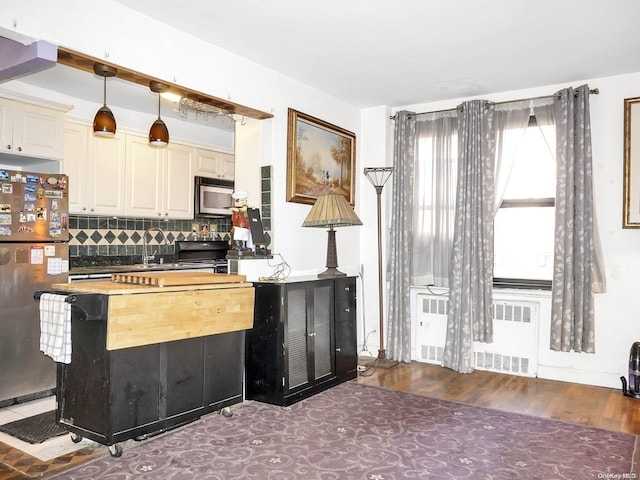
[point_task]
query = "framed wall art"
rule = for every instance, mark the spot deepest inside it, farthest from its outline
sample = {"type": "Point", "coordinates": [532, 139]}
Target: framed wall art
{"type": "Point", "coordinates": [631, 200]}
{"type": "Point", "coordinates": [320, 159]}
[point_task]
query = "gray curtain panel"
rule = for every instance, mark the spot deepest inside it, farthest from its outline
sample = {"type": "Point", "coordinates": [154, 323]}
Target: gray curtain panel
{"type": "Point", "coordinates": [471, 275]}
{"type": "Point", "coordinates": [399, 317]}
{"type": "Point", "coordinates": [572, 318]}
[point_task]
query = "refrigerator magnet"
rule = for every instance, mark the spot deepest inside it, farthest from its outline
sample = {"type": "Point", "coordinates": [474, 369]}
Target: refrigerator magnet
{"type": "Point", "coordinates": [36, 256]}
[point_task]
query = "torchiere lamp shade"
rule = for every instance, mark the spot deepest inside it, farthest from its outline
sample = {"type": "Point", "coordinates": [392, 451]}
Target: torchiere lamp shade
{"type": "Point", "coordinates": [331, 210]}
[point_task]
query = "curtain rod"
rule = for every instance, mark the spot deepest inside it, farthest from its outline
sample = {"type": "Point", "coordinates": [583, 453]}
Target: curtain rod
{"type": "Point", "coordinates": [593, 91]}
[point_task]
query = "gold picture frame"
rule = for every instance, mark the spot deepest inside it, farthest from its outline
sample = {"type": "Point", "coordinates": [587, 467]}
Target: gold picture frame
{"type": "Point", "coordinates": [631, 198]}
{"type": "Point", "coordinates": [320, 159]}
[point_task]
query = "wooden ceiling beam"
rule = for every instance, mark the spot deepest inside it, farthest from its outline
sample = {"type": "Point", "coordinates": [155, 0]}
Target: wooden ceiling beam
{"type": "Point", "coordinates": [80, 61]}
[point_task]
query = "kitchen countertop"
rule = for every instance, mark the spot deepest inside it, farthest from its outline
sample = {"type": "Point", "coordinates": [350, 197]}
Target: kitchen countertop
{"type": "Point", "coordinates": [108, 287]}
{"type": "Point", "coordinates": [139, 268]}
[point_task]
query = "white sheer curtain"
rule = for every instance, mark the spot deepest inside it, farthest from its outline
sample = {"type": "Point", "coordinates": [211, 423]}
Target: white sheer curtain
{"type": "Point", "coordinates": [436, 170]}
{"type": "Point", "coordinates": [510, 120]}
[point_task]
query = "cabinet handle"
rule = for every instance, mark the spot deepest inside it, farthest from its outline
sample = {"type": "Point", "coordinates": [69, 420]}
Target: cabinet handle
{"type": "Point", "coordinates": [338, 349]}
{"type": "Point", "coordinates": [8, 147]}
{"type": "Point", "coordinates": [19, 149]}
{"type": "Point", "coordinates": [347, 310]}
{"type": "Point", "coordinates": [84, 209]}
{"type": "Point", "coordinates": [311, 334]}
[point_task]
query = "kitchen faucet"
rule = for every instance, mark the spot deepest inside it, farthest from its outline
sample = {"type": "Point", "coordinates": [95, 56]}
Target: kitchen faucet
{"type": "Point", "coordinates": [145, 254]}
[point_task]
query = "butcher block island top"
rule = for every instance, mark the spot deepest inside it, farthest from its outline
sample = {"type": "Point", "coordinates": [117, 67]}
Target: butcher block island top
{"type": "Point", "coordinates": [158, 307]}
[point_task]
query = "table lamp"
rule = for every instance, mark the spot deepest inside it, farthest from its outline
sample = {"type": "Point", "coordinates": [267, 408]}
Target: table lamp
{"type": "Point", "coordinates": [331, 210]}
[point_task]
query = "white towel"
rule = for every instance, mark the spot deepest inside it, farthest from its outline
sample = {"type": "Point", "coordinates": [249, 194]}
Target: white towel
{"type": "Point", "coordinates": [55, 327]}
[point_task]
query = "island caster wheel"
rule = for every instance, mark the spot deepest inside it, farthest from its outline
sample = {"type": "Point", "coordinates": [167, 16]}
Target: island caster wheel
{"type": "Point", "coordinates": [115, 450]}
{"type": "Point", "coordinates": [226, 412]}
{"type": "Point", "coordinates": [75, 438]}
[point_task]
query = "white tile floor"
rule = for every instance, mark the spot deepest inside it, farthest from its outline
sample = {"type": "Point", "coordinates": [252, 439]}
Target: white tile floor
{"type": "Point", "coordinates": [52, 448]}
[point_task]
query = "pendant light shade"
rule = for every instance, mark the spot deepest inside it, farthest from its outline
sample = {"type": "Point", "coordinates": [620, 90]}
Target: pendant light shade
{"type": "Point", "coordinates": [158, 134]}
{"type": "Point", "coordinates": [104, 123]}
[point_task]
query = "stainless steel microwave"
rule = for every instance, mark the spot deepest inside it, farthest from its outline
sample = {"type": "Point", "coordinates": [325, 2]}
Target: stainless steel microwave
{"type": "Point", "coordinates": [213, 196]}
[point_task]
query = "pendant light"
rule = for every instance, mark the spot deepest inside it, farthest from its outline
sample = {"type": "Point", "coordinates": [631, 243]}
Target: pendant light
{"type": "Point", "coordinates": [158, 134]}
{"type": "Point", "coordinates": [104, 123]}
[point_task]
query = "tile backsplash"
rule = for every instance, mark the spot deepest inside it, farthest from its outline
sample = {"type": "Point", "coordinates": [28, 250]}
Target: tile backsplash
{"type": "Point", "coordinates": [108, 236]}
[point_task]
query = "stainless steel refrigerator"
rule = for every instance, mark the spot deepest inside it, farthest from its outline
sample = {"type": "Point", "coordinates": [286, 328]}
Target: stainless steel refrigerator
{"type": "Point", "coordinates": [34, 253]}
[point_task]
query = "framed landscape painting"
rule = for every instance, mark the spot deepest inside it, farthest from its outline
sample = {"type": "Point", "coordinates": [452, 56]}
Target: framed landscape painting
{"type": "Point", "coordinates": [631, 200]}
{"type": "Point", "coordinates": [320, 159]}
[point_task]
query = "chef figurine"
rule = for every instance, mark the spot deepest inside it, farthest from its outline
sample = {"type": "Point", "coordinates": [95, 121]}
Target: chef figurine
{"type": "Point", "coordinates": [240, 220]}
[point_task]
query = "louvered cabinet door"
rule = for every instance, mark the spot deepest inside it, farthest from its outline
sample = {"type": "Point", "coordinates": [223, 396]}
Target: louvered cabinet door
{"type": "Point", "coordinates": [296, 350]}
{"type": "Point", "coordinates": [321, 330]}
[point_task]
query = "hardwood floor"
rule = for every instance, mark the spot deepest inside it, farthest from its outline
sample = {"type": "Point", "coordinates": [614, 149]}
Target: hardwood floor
{"type": "Point", "coordinates": [582, 404]}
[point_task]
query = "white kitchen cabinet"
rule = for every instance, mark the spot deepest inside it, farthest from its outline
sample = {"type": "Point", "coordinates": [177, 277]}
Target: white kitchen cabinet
{"type": "Point", "coordinates": [178, 180]}
{"type": "Point", "coordinates": [96, 170]}
{"type": "Point", "coordinates": [30, 130]}
{"type": "Point", "coordinates": [215, 164]}
{"type": "Point", "coordinates": [159, 180]}
{"type": "Point", "coordinates": [143, 177]}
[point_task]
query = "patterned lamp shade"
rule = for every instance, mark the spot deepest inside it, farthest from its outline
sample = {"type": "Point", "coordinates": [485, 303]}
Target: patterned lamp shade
{"type": "Point", "coordinates": [331, 210]}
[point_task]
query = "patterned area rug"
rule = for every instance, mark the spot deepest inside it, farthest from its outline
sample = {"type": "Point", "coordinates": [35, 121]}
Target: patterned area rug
{"type": "Point", "coordinates": [355, 431]}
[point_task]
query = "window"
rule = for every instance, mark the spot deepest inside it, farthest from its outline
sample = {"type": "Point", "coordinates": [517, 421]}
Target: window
{"type": "Point", "coordinates": [525, 222]}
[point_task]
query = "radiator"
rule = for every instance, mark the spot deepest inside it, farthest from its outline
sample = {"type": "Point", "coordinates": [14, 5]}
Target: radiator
{"type": "Point", "coordinates": [515, 334]}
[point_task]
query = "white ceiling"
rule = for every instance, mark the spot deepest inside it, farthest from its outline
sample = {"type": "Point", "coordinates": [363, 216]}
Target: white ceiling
{"type": "Point", "coordinates": [402, 52]}
{"type": "Point", "coordinates": [394, 52]}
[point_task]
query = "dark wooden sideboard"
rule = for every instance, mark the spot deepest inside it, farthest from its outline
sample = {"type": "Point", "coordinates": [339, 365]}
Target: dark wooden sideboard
{"type": "Point", "coordinates": [303, 339]}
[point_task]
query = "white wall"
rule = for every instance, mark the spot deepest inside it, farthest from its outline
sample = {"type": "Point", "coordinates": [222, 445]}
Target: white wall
{"type": "Point", "coordinates": [617, 311]}
{"type": "Point", "coordinates": [125, 37]}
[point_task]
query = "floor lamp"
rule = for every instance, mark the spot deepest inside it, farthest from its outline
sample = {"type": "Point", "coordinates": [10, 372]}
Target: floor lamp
{"type": "Point", "coordinates": [378, 176]}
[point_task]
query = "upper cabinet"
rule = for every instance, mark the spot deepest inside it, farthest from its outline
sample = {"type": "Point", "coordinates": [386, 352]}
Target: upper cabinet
{"type": "Point", "coordinates": [178, 170]}
{"type": "Point", "coordinates": [30, 130]}
{"type": "Point", "coordinates": [214, 164]}
{"type": "Point", "coordinates": [96, 170]}
{"type": "Point", "coordinates": [159, 180]}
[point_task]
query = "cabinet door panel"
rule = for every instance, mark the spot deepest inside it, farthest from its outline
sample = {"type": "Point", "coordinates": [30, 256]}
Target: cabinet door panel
{"type": "Point", "coordinates": [185, 375]}
{"type": "Point", "coordinates": [296, 337]}
{"type": "Point", "coordinates": [346, 347]}
{"type": "Point", "coordinates": [76, 152]}
{"type": "Point", "coordinates": [322, 316]}
{"type": "Point", "coordinates": [37, 132]}
{"type": "Point", "coordinates": [346, 332]}
{"type": "Point", "coordinates": [136, 387]}
{"type": "Point", "coordinates": [144, 178]}
{"type": "Point", "coordinates": [106, 175]}
{"type": "Point", "coordinates": [6, 125]}
{"type": "Point", "coordinates": [223, 377]}
{"type": "Point", "coordinates": [178, 182]}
